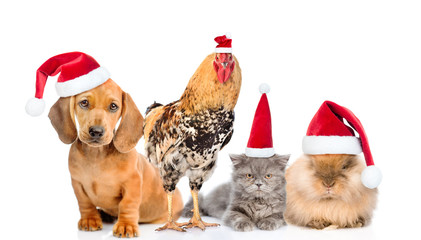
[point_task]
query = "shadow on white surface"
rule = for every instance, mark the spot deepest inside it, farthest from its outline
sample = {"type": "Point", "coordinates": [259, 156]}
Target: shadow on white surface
{"type": "Point", "coordinates": [147, 231]}
{"type": "Point", "coordinates": [293, 232]}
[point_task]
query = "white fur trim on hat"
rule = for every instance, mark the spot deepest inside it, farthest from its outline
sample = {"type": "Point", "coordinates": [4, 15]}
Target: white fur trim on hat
{"type": "Point", "coordinates": [260, 152]}
{"type": "Point", "coordinates": [371, 177]}
{"type": "Point", "coordinates": [83, 83]}
{"type": "Point", "coordinates": [264, 88]}
{"type": "Point", "coordinates": [331, 145]}
{"type": "Point", "coordinates": [223, 50]}
{"type": "Point", "coordinates": [35, 107]}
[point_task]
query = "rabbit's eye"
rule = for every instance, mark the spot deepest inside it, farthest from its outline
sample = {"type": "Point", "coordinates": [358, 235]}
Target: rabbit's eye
{"type": "Point", "coordinates": [348, 164]}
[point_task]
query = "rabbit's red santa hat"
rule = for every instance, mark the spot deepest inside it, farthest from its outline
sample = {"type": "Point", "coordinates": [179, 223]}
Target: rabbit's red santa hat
{"type": "Point", "coordinates": [328, 134]}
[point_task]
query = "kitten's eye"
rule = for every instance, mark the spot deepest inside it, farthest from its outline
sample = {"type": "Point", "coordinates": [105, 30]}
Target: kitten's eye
{"type": "Point", "coordinates": [113, 107]}
{"type": "Point", "coordinates": [84, 104]}
{"type": "Point", "coordinates": [268, 176]}
{"type": "Point", "coordinates": [248, 175]}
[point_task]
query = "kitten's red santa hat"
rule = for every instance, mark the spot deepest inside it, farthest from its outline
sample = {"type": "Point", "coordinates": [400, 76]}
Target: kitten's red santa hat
{"type": "Point", "coordinates": [328, 134]}
{"type": "Point", "coordinates": [260, 143]}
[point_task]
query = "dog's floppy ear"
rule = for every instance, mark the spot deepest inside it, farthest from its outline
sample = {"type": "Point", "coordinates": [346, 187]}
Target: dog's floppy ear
{"type": "Point", "coordinates": [61, 116]}
{"type": "Point", "coordinates": [131, 126]}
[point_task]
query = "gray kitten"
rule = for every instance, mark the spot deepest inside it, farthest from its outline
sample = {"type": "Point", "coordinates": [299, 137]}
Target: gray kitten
{"type": "Point", "coordinates": [255, 197]}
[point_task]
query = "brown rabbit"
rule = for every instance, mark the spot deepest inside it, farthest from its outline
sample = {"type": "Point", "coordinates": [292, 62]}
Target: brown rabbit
{"type": "Point", "coordinates": [326, 191]}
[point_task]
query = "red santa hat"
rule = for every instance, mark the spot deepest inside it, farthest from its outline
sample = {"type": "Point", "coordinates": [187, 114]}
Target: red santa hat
{"type": "Point", "coordinates": [79, 73]}
{"type": "Point", "coordinates": [328, 134]}
{"type": "Point", "coordinates": [260, 142]}
{"type": "Point", "coordinates": [224, 44]}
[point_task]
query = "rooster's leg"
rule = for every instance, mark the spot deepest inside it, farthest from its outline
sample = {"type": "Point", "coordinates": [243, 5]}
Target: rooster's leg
{"type": "Point", "coordinates": [170, 223]}
{"type": "Point", "coordinates": [196, 220]}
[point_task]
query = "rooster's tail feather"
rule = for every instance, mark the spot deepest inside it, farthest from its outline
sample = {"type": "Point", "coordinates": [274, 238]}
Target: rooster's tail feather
{"type": "Point", "coordinates": [152, 106]}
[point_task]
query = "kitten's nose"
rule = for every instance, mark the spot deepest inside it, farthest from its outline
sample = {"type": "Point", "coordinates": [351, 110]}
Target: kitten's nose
{"type": "Point", "coordinates": [258, 184]}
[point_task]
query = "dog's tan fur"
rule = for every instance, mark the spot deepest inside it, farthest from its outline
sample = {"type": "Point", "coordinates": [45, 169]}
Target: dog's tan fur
{"type": "Point", "coordinates": [109, 173]}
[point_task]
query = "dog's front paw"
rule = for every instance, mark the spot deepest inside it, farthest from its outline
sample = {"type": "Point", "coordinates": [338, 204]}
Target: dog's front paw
{"type": "Point", "coordinates": [125, 229]}
{"type": "Point", "coordinates": [90, 224]}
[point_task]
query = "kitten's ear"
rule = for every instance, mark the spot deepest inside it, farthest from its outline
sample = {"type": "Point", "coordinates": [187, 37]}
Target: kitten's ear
{"type": "Point", "coordinates": [237, 158]}
{"type": "Point", "coordinates": [282, 159]}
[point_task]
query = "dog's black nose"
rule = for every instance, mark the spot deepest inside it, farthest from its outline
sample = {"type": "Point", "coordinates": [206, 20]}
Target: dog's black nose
{"type": "Point", "coordinates": [96, 131]}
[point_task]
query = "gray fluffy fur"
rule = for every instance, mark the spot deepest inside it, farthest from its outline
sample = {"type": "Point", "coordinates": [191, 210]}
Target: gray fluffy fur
{"type": "Point", "coordinates": [241, 203]}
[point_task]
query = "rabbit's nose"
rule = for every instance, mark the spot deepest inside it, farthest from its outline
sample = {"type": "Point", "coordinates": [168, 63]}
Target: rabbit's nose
{"type": "Point", "coordinates": [329, 184]}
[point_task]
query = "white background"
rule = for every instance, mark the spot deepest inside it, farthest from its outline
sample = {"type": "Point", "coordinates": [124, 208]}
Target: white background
{"type": "Point", "coordinates": [365, 55]}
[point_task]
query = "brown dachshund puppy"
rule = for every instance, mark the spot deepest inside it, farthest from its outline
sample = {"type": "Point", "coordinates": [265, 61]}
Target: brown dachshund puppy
{"type": "Point", "coordinates": [106, 170]}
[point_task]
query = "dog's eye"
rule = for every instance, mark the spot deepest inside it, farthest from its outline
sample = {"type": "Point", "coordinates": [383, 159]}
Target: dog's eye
{"type": "Point", "coordinates": [268, 176]}
{"type": "Point", "coordinates": [113, 107]}
{"type": "Point", "coordinates": [84, 103]}
{"type": "Point", "coordinates": [248, 175]}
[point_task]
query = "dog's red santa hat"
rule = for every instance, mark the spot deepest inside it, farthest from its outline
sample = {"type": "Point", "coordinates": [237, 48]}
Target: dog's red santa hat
{"type": "Point", "coordinates": [260, 142]}
{"type": "Point", "coordinates": [79, 73]}
{"type": "Point", "coordinates": [328, 134]}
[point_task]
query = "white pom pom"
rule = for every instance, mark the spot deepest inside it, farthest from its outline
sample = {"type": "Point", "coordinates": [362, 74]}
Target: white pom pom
{"type": "Point", "coordinates": [35, 107]}
{"type": "Point", "coordinates": [371, 177]}
{"type": "Point", "coordinates": [264, 88]}
{"type": "Point", "coordinates": [228, 35]}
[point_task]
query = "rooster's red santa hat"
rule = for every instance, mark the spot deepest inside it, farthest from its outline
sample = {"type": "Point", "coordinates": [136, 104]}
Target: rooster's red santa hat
{"type": "Point", "coordinates": [224, 44]}
{"type": "Point", "coordinates": [79, 73]}
{"type": "Point", "coordinates": [328, 134]}
{"type": "Point", "coordinates": [260, 142]}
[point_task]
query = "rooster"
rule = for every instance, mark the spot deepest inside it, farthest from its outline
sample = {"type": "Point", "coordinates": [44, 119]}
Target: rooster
{"type": "Point", "coordinates": [185, 136]}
